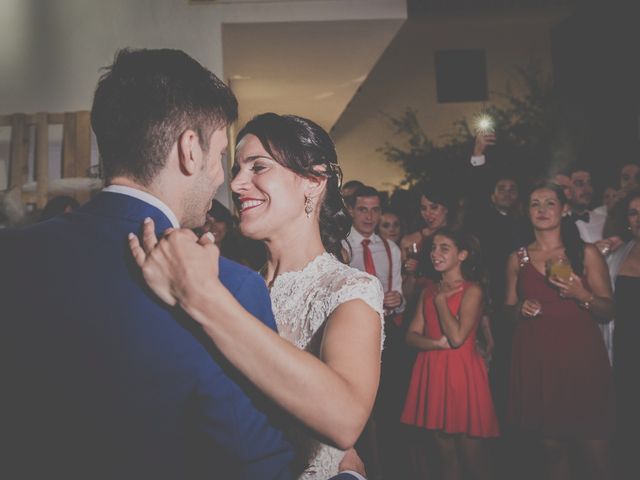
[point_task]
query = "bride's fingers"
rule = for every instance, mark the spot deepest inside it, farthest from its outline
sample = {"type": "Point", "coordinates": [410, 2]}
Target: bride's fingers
{"type": "Point", "coordinates": [136, 250]}
{"type": "Point", "coordinates": [207, 238]}
{"type": "Point", "coordinates": [149, 239]}
{"type": "Point", "coordinates": [209, 245]}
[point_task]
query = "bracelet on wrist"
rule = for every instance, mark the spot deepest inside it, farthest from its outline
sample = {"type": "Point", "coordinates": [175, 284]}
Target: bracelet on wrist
{"type": "Point", "coordinates": [587, 303]}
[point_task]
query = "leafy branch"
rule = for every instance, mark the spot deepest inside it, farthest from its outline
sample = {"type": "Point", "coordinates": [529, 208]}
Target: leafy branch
{"type": "Point", "coordinates": [536, 132]}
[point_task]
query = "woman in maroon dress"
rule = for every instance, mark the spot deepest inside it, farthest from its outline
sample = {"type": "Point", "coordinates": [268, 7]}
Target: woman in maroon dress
{"type": "Point", "coordinates": [561, 381]}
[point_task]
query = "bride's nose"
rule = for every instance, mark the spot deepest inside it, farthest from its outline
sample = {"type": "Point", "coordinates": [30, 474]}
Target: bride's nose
{"type": "Point", "coordinates": [239, 183]}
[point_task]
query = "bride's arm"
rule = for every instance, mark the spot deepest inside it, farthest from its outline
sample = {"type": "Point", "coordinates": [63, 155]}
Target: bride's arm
{"type": "Point", "coordinates": [333, 396]}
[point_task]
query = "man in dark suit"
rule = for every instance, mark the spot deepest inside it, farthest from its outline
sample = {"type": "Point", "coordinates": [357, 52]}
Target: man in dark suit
{"type": "Point", "coordinates": [501, 229]}
{"type": "Point", "coordinates": [102, 379]}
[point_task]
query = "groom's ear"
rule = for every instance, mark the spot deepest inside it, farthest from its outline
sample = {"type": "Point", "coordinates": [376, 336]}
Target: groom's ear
{"type": "Point", "coordinates": [189, 152]}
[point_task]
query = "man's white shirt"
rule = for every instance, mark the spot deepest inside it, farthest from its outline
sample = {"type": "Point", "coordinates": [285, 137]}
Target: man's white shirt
{"type": "Point", "coordinates": [380, 260]}
{"type": "Point", "coordinates": [592, 232]}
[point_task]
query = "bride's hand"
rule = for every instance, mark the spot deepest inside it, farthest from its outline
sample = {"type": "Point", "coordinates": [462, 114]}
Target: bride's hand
{"type": "Point", "coordinates": [177, 264]}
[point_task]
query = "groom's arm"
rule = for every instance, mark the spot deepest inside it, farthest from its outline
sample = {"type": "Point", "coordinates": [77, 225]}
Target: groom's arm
{"type": "Point", "coordinates": [249, 289]}
{"type": "Point", "coordinates": [252, 431]}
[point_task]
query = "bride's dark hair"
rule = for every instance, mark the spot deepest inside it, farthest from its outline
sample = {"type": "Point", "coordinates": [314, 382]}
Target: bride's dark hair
{"type": "Point", "coordinates": [302, 146]}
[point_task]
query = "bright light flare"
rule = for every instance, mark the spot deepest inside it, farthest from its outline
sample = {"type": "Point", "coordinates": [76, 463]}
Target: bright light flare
{"type": "Point", "coordinates": [483, 124]}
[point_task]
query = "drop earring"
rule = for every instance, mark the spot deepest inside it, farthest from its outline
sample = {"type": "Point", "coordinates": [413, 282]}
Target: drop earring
{"type": "Point", "coordinates": [308, 206]}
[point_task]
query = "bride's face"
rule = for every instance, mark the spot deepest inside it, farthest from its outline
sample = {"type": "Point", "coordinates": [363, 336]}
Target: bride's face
{"type": "Point", "coordinates": [271, 196]}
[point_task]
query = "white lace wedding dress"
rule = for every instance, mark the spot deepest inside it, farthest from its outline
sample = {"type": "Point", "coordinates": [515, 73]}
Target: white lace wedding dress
{"type": "Point", "coordinates": [302, 302]}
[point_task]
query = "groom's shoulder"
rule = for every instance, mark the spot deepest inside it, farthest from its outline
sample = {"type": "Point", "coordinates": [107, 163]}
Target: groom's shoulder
{"type": "Point", "coordinates": [249, 289]}
{"type": "Point", "coordinates": [237, 277]}
{"type": "Point", "coordinates": [12, 239]}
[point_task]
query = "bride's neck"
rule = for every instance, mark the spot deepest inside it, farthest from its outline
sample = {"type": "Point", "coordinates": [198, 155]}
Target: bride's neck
{"type": "Point", "coordinates": [292, 252]}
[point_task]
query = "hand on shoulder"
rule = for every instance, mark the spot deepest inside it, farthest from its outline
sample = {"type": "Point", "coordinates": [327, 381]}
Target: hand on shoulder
{"type": "Point", "coordinates": [177, 265]}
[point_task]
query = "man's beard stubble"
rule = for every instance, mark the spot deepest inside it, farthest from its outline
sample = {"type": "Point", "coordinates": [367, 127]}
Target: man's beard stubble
{"type": "Point", "coordinates": [197, 202]}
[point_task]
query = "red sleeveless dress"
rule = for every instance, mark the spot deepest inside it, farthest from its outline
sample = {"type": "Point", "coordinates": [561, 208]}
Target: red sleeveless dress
{"type": "Point", "coordinates": [449, 389]}
{"type": "Point", "coordinates": [561, 380]}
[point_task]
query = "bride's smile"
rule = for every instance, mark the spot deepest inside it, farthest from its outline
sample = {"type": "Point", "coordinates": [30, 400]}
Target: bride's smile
{"type": "Point", "coordinates": [270, 196]}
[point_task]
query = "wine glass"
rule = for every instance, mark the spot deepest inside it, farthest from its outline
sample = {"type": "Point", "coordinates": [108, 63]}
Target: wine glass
{"type": "Point", "coordinates": [412, 251]}
{"type": "Point", "coordinates": [412, 256]}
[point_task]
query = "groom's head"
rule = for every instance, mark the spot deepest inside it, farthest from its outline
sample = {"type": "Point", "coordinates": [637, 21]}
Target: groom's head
{"type": "Point", "coordinates": [160, 120]}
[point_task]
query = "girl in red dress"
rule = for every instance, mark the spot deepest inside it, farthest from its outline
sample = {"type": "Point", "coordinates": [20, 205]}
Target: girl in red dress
{"type": "Point", "coordinates": [561, 381]}
{"type": "Point", "coordinates": [449, 390]}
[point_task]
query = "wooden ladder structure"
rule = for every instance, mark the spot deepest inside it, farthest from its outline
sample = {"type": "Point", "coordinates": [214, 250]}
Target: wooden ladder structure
{"type": "Point", "coordinates": [76, 150]}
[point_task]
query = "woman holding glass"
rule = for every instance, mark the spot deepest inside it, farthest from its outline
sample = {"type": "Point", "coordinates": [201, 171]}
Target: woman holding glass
{"type": "Point", "coordinates": [437, 209]}
{"type": "Point", "coordinates": [561, 382]}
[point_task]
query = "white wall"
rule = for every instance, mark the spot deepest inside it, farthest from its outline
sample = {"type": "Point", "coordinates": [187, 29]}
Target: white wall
{"type": "Point", "coordinates": [405, 77]}
{"type": "Point", "coordinates": [55, 66]}
{"type": "Point", "coordinates": [51, 50]}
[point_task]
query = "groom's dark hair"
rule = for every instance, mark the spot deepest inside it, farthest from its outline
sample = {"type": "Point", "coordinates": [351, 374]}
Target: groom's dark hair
{"type": "Point", "coordinates": [145, 100]}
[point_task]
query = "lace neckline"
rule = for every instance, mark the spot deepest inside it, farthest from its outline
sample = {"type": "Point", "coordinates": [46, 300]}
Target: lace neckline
{"type": "Point", "coordinates": [308, 267]}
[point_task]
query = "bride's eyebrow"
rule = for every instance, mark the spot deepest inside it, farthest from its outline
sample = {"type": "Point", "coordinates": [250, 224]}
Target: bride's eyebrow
{"type": "Point", "coordinates": [252, 158]}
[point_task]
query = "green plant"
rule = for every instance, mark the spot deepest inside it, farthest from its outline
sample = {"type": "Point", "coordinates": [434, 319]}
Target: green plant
{"type": "Point", "coordinates": [537, 133]}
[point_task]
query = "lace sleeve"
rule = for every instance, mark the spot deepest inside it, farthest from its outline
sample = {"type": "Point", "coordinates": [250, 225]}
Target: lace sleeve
{"type": "Point", "coordinates": [359, 285]}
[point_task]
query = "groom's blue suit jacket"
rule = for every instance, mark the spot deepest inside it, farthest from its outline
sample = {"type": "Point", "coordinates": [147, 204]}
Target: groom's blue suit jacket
{"type": "Point", "coordinates": [102, 380]}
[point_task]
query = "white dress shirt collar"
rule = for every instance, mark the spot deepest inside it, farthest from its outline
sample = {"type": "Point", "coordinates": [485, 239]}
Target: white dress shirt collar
{"type": "Point", "coordinates": [147, 198]}
{"type": "Point", "coordinates": [357, 237]}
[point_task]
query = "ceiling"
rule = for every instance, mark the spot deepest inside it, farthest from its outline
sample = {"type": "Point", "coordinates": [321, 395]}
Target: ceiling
{"type": "Point", "coordinates": [311, 69]}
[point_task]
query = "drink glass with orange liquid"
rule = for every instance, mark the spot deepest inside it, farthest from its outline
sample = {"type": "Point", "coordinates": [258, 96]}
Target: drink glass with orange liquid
{"type": "Point", "coordinates": [559, 267]}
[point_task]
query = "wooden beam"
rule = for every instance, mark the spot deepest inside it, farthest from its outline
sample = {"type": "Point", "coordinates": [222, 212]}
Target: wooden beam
{"type": "Point", "coordinates": [76, 144]}
{"type": "Point", "coordinates": [18, 165]}
{"type": "Point", "coordinates": [69, 146]}
{"type": "Point", "coordinates": [53, 118]}
{"type": "Point", "coordinates": [83, 144]}
{"type": "Point", "coordinates": [56, 118]}
{"type": "Point", "coordinates": [42, 159]}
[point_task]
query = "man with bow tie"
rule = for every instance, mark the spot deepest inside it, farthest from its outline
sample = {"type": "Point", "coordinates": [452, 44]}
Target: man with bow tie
{"type": "Point", "coordinates": [590, 223]}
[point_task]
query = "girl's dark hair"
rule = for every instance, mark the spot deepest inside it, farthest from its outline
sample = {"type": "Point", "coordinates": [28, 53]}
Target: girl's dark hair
{"type": "Point", "coordinates": [391, 211]}
{"type": "Point", "coordinates": [472, 267]}
{"type": "Point", "coordinates": [620, 214]}
{"type": "Point", "coordinates": [573, 244]}
{"type": "Point", "coordinates": [301, 146]}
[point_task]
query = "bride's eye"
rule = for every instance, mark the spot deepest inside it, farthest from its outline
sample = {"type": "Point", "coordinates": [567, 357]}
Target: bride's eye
{"type": "Point", "coordinates": [257, 168]}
